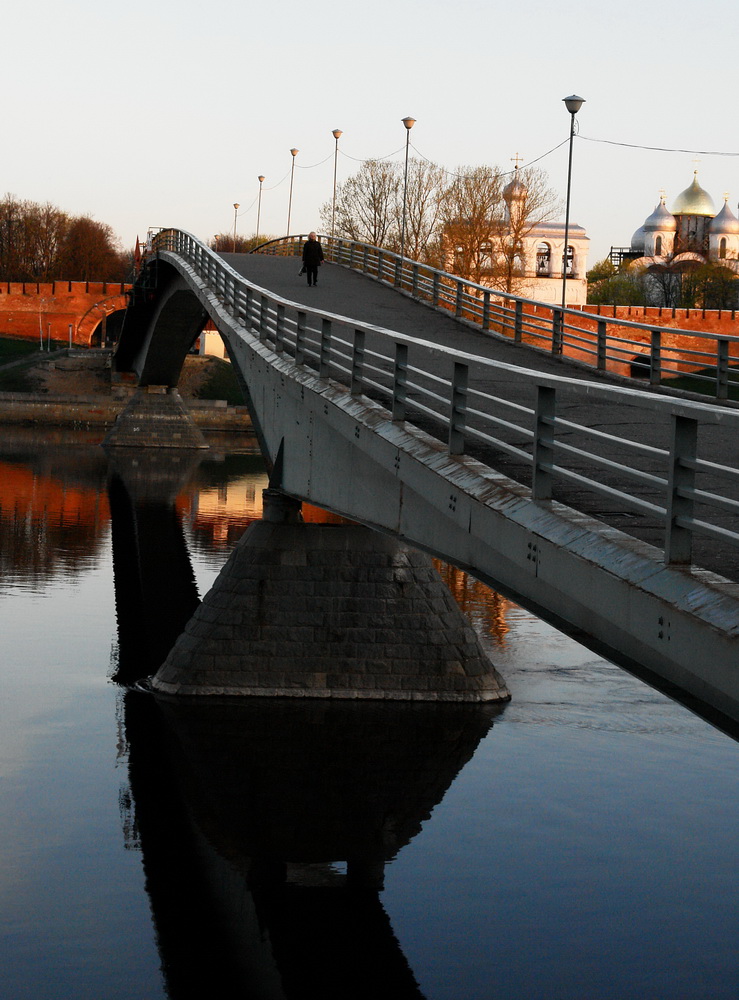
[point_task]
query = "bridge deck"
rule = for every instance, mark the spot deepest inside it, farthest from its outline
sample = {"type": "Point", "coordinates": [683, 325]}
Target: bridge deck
{"type": "Point", "coordinates": [350, 294]}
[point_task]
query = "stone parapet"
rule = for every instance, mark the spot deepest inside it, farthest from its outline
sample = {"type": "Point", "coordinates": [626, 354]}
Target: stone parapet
{"type": "Point", "coordinates": [329, 611]}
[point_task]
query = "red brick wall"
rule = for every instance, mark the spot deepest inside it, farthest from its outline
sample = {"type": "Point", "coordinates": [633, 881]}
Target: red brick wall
{"type": "Point", "coordinates": [677, 348]}
{"type": "Point", "coordinates": [28, 308]}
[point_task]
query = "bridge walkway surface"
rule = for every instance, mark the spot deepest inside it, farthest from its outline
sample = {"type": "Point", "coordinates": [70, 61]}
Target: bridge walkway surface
{"type": "Point", "coordinates": [347, 293]}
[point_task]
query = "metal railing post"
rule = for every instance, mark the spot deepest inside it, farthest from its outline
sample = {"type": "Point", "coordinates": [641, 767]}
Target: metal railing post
{"type": "Point", "coordinates": [683, 451]}
{"type": "Point", "coordinates": [458, 415]}
{"type": "Point", "coordinates": [458, 299]}
{"type": "Point", "coordinates": [435, 290]}
{"type": "Point", "coordinates": [414, 286]}
{"type": "Point", "coordinates": [263, 317]}
{"type": "Point", "coordinates": [543, 457]}
{"type": "Point", "coordinates": [655, 358]}
{"type": "Point", "coordinates": [300, 338]}
{"type": "Point", "coordinates": [280, 330]}
{"type": "Point", "coordinates": [486, 310]}
{"type": "Point", "coordinates": [357, 386]}
{"type": "Point", "coordinates": [380, 264]}
{"type": "Point", "coordinates": [557, 330]}
{"type": "Point", "coordinates": [518, 322]}
{"type": "Point", "coordinates": [722, 369]}
{"type": "Point", "coordinates": [324, 364]}
{"type": "Point", "coordinates": [601, 359]}
{"type": "Point", "coordinates": [249, 300]}
{"type": "Point", "coordinates": [398, 277]}
{"type": "Point", "coordinates": [400, 381]}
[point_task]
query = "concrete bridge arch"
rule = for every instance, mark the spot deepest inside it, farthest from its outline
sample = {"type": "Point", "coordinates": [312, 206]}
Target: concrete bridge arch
{"type": "Point", "coordinates": [163, 322]}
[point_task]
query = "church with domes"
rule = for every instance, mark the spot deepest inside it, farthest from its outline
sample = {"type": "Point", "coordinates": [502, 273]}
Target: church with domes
{"type": "Point", "coordinates": [689, 234]}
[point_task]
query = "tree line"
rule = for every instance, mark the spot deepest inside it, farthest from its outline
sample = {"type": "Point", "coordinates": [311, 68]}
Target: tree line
{"type": "Point", "coordinates": [701, 286]}
{"type": "Point", "coordinates": [43, 243]}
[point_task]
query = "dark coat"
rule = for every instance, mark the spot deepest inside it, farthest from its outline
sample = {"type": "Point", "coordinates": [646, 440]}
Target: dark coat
{"type": "Point", "coordinates": [312, 253]}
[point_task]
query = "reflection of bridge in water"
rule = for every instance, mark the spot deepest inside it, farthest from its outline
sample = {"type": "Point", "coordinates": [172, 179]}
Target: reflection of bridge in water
{"type": "Point", "coordinates": [264, 824]}
{"type": "Point", "coordinates": [606, 510]}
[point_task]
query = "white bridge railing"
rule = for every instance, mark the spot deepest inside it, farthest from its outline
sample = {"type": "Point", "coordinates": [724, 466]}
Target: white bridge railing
{"type": "Point", "coordinates": [708, 362]}
{"type": "Point", "coordinates": [444, 390]}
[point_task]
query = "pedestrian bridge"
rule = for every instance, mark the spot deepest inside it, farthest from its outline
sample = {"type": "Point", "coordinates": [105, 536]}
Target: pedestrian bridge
{"type": "Point", "coordinates": [407, 400]}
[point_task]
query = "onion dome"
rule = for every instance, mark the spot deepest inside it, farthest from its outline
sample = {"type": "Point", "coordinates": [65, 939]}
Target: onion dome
{"type": "Point", "coordinates": [725, 223]}
{"type": "Point", "coordinates": [694, 200]}
{"type": "Point", "coordinates": [661, 220]}
{"type": "Point", "coordinates": [516, 190]}
{"type": "Point", "coordinates": [637, 240]}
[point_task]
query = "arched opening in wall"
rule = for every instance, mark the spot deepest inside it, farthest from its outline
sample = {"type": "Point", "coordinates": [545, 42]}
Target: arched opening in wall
{"type": "Point", "coordinates": [658, 247]}
{"type": "Point", "coordinates": [639, 366]}
{"type": "Point", "coordinates": [722, 248]}
{"type": "Point", "coordinates": [486, 255]}
{"type": "Point", "coordinates": [543, 260]}
{"type": "Point", "coordinates": [108, 330]}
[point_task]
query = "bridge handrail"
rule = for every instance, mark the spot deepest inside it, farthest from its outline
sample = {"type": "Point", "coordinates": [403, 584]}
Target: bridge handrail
{"type": "Point", "coordinates": [312, 338]}
{"type": "Point", "coordinates": [591, 338]}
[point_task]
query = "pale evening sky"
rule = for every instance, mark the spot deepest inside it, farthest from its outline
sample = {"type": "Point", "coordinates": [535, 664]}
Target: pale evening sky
{"type": "Point", "coordinates": [164, 114]}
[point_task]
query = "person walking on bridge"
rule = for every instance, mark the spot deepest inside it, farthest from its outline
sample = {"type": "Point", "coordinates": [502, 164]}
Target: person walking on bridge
{"type": "Point", "coordinates": [312, 258]}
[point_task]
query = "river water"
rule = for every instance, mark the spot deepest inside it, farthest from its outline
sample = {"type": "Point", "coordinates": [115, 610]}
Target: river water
{"type": "Point", "coordinates": [580, 842]}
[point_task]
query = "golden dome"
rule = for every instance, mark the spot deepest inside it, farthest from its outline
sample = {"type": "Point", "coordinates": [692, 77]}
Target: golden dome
{"type": "Point", "coordinates": [694, 201]}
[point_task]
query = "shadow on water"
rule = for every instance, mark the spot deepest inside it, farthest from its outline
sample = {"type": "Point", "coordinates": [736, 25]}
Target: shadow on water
{"type": "Point", "coordinates": [264, 824]}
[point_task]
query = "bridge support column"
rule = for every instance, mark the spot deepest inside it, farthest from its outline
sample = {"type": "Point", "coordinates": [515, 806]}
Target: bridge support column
{"type": "Point", "coordinates": [155, 417]}
{"type": "Point", "coordinates": [328, 611]}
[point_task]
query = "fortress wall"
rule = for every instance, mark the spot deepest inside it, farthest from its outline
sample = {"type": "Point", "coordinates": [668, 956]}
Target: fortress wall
{"type": "Point", "coordinates": [31, 309]}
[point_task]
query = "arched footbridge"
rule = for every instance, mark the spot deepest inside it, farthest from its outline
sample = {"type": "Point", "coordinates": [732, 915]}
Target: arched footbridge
{"type": "Point", "coordinates": [408, 400]}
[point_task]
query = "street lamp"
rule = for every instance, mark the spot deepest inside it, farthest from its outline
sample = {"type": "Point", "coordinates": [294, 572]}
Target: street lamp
{"type": "Point", "coordinates": [236, 212]}
{"type": "Point", "coordinates": [259, 204]}
{"type": "Point", "coordinates": [573, 105]}
{"type": "Point", "coordinates": [409, 123]}
{"type": "Point", "coordinates": [294, 153]}
{"type": "Point", "coordinates": [337, 134]}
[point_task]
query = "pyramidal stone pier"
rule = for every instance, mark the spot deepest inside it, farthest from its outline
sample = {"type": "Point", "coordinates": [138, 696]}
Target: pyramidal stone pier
{"type": "Point", "coordinates": [328, 611]}
{"type": "Point", "coordinates": [155, 416]}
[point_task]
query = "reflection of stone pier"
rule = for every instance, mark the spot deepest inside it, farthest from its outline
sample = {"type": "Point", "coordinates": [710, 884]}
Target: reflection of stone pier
{"type": "Point", "coordinates": [246, 810]}
{"type": "Point", "coordinates": [311, 610]}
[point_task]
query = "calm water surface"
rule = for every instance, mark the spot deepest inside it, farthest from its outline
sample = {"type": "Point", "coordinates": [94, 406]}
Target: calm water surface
{"type": "Point", "coordinates": [580, 842]}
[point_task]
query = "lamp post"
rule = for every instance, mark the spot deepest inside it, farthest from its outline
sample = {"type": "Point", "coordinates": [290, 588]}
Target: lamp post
{"type": "Point", "coordinates": [409, 123]}
{"type": "Point", "coordinates": [294, 153]}
{"type": "Point", "coordinates": [337, 134]}
{"type": "Point", "coordinates": [236, 212]}
{"type": "Point", "coordinates": [573, 105]}
{"type": "Point", "coordinates": [259, 204]}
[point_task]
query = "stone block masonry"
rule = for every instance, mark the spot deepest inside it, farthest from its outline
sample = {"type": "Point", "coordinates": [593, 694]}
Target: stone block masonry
{"type": "Point", "coordinates": [329, 611]}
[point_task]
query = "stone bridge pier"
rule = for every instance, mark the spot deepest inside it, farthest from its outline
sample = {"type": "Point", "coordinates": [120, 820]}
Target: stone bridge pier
{"type": "Point", "coordinates": [328, 611]}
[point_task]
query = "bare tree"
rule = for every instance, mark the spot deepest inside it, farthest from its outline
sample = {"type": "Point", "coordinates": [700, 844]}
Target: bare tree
{"type": "Point", "coordinates": [366, 205]}
{"type": "Point", "coordinates": [472, 214]}
{"type": "Point", "coordinates": [424, 197]}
